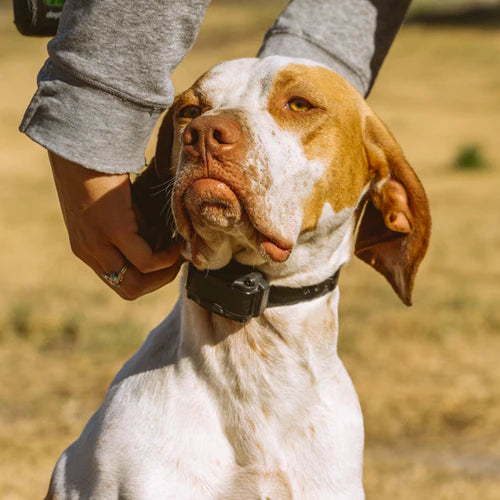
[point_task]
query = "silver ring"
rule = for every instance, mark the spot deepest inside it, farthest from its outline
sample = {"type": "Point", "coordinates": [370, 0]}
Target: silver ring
{"type": "Point", "coordinates": [115, 278]}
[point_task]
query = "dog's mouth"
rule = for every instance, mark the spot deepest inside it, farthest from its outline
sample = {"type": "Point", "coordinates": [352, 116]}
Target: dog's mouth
{"type": "Point", "coordinates": [278, 252]}
{"type": "Point", "coordinates": [212, 202]}
{"type": "Point", "coordinates": [211, 205]}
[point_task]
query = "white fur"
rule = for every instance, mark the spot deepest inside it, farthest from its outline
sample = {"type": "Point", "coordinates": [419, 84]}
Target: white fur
{"type": "Point", "coordinates": [211, 409]}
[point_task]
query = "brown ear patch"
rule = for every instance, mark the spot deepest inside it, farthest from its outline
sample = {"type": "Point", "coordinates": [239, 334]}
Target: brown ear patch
{"type": "Point", "coordinates": [394, 231]}
{"type": "Point", "coordinates": [152, 190]}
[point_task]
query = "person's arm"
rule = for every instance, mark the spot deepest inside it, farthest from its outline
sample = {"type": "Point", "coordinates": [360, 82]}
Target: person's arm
{"type": "Point", "coordinates": [350, 36]}
{"type": "Point", "coordinates": [99, 95]}
{"type": "Point", "coordinates": [107, 79]}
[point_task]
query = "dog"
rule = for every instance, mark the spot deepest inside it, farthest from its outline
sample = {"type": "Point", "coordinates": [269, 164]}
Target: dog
{"type": "Point", "coordinates": [280, 166]}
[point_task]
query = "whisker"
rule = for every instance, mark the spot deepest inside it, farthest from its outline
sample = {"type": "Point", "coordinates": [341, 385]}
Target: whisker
{"type": "Point", "coordinates": [166, 210]}
{"type": "Point", "coordinates": [163, 184]}
{"type": "Point", "coordinates": [160, 191]}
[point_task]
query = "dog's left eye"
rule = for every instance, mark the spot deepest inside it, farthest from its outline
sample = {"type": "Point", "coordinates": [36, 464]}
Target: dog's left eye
{"type": "Point", "coordinates": [299, 105]}
{"type": "Point", "coordinates": [190, 111]}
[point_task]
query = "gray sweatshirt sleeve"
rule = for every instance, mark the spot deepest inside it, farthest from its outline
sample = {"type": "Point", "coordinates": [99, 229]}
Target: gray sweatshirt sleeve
{"type": "Point", "coordinates": [107, 78]}
{"type": "Point", "coordinates": [350, 36]}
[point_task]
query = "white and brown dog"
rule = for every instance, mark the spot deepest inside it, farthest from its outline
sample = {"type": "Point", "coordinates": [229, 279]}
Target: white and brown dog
{"type": "Point", "coordinates": [278, 164]}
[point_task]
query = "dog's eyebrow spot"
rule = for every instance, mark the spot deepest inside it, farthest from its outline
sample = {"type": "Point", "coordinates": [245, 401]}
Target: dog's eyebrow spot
{"type": "Point", "coordinates": [193, 96]}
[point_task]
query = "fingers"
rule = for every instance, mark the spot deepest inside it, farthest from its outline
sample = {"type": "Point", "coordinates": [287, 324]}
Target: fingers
{"type": "Point", "coordinates": [135, 284]}
{"type": "Point", "coordinates": [109, 260]}
{"type": "Point", "coordinates": [137, 251]}
{"type": "Point", "coordinates": [106, 258]}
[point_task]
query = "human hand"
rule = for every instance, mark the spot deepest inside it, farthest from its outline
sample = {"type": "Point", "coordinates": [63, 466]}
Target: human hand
{"type": "Point", "coordinates": [103, 229]}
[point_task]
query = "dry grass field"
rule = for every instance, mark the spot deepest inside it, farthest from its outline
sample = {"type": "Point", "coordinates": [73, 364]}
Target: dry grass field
{"type": "Point", "coordinates": [428, 376]}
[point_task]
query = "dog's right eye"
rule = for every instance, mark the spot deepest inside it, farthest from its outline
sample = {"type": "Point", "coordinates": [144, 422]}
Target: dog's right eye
{"type": "Point", "coordinates": [191, 111]}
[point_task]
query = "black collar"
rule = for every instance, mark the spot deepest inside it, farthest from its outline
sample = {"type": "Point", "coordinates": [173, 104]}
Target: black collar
{"type": "Point", "coordinates": [240, 292]}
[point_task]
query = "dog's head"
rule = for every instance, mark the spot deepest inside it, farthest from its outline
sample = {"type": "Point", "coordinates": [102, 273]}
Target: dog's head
{"type": "Point", "coordinates": [280, 163]}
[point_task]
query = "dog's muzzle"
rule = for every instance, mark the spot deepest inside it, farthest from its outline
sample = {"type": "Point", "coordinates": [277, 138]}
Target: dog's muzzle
{"type": "Point", "coordinates": [213, 202]}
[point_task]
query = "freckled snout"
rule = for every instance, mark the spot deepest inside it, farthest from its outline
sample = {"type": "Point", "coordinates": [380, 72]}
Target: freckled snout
{"type": "Point", "coordinates": [213, 136]}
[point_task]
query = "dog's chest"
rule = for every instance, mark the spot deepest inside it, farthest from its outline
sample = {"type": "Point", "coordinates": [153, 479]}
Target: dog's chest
{"type": "Point", "coordinates": [246, 416]}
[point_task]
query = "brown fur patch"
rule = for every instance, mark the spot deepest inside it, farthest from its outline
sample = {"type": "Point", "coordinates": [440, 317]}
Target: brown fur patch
{"type": "Point", "coordinates": [330, 132]}
{"type": "Point", "coordinates": [341, 131]}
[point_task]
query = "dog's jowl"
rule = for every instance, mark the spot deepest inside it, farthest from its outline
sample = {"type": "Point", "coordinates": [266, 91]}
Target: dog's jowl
{"type": "Point", "coordinates": [275, 172]}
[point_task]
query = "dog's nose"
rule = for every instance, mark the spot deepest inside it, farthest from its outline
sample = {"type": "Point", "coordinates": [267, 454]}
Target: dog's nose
{"type": "Point", "coordinates": [214, 135]}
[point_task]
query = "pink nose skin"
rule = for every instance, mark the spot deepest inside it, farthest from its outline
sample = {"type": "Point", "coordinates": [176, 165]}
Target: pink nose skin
{"type": "Point", "coordinates": [213, 135]}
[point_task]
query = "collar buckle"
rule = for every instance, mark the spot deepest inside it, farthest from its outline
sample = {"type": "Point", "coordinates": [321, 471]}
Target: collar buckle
{"type": "Point", "coordinates": [235, 292]}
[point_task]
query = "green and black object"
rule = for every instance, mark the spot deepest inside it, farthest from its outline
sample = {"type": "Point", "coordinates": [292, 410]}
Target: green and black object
{"type": "Point", "coordinates": [37, 17]}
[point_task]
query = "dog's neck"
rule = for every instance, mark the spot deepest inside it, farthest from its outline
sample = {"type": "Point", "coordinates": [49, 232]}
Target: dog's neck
{"type": "Point", "coordinates": [268, 373]}
{"type": "Point", "coordinates": [307, 325]}
{"type": "Point", "coordinates": [288, 324]}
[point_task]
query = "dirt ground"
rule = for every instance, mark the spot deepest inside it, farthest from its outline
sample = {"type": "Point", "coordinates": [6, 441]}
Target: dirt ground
{"type": "Point", "coordinates": [428, 377]}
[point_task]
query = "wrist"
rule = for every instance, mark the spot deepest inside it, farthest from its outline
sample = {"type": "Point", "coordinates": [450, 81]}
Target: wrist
{"type": "Point", "coordinates": [81, 185]}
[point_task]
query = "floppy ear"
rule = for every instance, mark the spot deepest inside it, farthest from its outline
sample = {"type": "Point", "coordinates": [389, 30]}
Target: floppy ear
{"type": "Point", "coordinates": [394, 230]}
{"type": "Point", "coordinates": [152, 191]}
